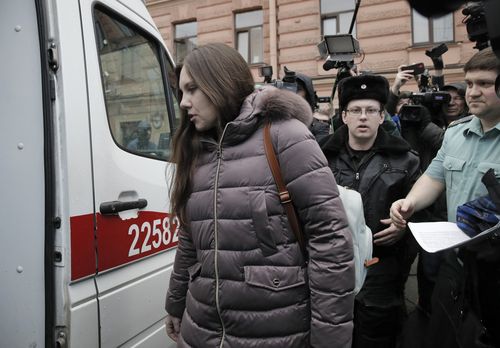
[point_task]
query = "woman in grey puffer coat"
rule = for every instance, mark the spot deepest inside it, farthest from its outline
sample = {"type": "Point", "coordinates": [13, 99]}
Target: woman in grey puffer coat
{"type": "Point", "coordinates": [239, 277]}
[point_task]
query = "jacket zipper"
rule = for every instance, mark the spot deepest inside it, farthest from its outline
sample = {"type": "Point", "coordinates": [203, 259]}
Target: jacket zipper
{"type": "Point", "coordinates": [356, 169]}
{"type": "Point", "coordinates": [216, 231]}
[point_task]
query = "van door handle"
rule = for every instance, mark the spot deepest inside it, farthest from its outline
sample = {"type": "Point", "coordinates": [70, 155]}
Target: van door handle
{"type": "Point", "coordinates": [113, 207]}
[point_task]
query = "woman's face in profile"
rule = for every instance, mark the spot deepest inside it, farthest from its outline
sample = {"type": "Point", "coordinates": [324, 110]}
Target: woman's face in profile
{"type": "Point", "coordinates": [201, 111]}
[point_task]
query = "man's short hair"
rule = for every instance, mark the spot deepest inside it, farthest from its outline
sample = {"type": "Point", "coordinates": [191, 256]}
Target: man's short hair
{"type": "Point", "coordinates": [483, 60]}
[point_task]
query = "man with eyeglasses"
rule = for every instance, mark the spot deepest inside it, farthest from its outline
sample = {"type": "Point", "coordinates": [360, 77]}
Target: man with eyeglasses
{"type": "Point", "coordinates": [381, 167]}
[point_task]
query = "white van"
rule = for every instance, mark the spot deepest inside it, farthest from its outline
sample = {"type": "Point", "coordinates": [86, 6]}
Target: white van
{"type": "Point", "coordinates": [88, 110]}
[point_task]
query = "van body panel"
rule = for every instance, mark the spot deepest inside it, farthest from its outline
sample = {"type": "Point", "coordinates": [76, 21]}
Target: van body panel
{"type": "Point", "coordinates": [134, 247]}
{"type": "Point", "coordinates": [142, 297]}
{"type": "Point", "coordinates": [83, 312]}
{"type": "Point", "coordinates": [110, 270]}
{"type": "Point", "coordinates": [22, 290]}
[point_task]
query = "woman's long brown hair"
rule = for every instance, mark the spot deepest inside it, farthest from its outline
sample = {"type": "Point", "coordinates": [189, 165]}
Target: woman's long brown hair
{"type": "Point", "coordinates": [223, 76]}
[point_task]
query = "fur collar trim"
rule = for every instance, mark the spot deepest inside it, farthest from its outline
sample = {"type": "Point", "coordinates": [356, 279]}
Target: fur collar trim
{"type": "Point", "coordinates": [265, 102]}
{"type": "Point", "coordinates": [384, 143]}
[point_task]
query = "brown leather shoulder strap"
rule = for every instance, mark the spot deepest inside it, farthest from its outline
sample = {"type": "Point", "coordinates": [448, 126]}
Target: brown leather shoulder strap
{"type": "Point", "coordinates": [285, 198]}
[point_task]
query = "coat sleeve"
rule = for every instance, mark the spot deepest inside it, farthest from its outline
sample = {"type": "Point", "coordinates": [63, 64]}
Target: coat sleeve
{"type": "Point", "coordinates": [432, 135]}
{"type": "Point", "coordinates": [184, 258]}
{"type": "Point", "coordinates": [391, 104]}
{"type": "Point", "coordinates": [329, 242]}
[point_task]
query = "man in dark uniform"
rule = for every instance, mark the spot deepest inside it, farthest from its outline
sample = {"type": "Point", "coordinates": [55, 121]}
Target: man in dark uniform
{"type": "Point", "coordinates": [381, 167]}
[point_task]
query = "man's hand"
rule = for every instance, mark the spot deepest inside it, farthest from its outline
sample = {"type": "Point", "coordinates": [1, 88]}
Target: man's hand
{"type": "Point", "coordinates": [401, 78]}
{"type": "Point", "coordinates": [388, 236]}
{"type": "Point", "coordinates": [400, 211]}
{"type": "Point", "coordinates": [354, 70]}
{"type": "Point", "coordinates": [173, 326]}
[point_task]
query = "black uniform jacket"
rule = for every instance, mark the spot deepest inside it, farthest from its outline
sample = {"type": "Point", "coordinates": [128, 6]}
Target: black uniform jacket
{"type": "Point", "coordinates": [385, 174]}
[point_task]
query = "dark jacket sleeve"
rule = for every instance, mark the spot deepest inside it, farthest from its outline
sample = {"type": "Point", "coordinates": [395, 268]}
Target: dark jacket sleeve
{"type": "Point", "coordinates": [329, 242]}
{"type": "Point", "coordinates": [432, 135]}
{"type": "Point", "coordinates": [184, 258]}
{"type": "Point", "coordinates": [391, 104]}
{"type": "Point", "coordinates": [414, 171]}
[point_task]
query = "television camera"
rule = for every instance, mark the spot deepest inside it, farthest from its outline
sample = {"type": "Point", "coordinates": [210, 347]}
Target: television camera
{"type": "Point", "coordinates": [429, 100]}
{"type": "Point", "coordinates": [339, 51]}
{"type": "Point", "coordinates": [481, 18]}
{"type": "Point", "coordinates": [291, 82]}
{"type": "Point", "coordinates": [421, 104]}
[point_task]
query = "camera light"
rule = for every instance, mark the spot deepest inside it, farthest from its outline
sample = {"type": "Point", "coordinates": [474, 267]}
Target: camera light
{"type": "Point", "coordinates": [322, 49]}
{"type": "Point", "coordinates": [266, 71]}
{"type": "Point", "coordinates": [341, 44]}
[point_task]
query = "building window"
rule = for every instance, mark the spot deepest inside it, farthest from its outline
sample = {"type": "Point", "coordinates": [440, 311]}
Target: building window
{"type": "Point", "coordinates": [249, 37]}
{"type": "Point", "coordinates": [432, 30]}
{"type": "Point", "coordinates": [185, 40]}
{"type": "Point", "coordinates": [336, 16]}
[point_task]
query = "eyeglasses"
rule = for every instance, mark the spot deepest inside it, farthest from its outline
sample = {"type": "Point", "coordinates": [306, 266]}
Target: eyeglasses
{"type": "Point", "coordinates": [368, 112]}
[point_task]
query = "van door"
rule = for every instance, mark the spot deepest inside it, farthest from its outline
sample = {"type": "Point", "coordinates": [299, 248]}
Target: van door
{"type": "Point", "coordinates": [22, 211]}
{"type": "Point", "coordinates": [131, 122]}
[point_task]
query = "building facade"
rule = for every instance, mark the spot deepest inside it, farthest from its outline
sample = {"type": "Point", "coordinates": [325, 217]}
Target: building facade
{"type": "Point", "coordinates": [283, 33]}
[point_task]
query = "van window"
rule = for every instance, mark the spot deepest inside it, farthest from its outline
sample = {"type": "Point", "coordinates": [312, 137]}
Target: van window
{"type": "Point", "coordinates": [133, 88]}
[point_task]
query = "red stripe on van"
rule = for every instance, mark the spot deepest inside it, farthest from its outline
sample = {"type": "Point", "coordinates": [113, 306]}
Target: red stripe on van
{"type": "Point", "coordinates": [82, 246]}
{"type": "Point", "coordinates": [118, 241]}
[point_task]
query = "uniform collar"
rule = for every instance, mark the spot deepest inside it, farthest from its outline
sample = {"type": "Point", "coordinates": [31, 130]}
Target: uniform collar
{"type": "Point", "coordinates": [474, 126]}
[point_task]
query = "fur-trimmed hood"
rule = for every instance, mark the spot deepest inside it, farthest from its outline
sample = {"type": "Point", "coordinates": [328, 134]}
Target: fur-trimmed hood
{"type": "Point", "coordinates": [265, 102]}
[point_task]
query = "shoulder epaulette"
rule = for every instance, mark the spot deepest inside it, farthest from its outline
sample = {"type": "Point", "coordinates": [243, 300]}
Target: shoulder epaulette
{"type": "Point", "coordinates": [461, 120]}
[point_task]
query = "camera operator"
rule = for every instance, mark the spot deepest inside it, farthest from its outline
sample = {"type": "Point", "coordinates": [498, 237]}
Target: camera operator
{"type": "Point", "coordinates": [320, 126]}
{"type": "Point", "coordinates": [414, 118]}
{"type": "Point", "coordinates": [303, 86]}
{"type": "Point", "coordinates": [425, 137]}
{"type": "Point", "coordinates": [456, 108]}
{"type": "Point", "coordinates": [401, 78]}
{"type": "Point", "coordinates": [397, 98]}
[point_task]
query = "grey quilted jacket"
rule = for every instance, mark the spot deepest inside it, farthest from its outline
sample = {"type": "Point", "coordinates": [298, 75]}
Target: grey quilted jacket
{"type": "Point", "coordinates": [239, 278]}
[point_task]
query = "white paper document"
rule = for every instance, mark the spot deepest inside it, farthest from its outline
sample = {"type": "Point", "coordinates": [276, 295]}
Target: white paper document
{"type": "Point", "coordinates": [436, 236]}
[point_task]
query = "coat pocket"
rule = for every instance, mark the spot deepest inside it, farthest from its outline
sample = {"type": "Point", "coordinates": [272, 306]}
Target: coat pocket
{"type": "Point", "coordinates": [260, 220]}
{"type": "Point", "coordinates": [275, 278]}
